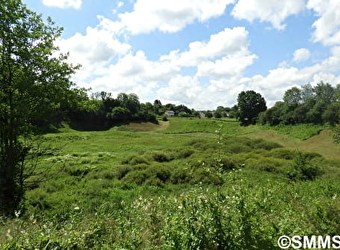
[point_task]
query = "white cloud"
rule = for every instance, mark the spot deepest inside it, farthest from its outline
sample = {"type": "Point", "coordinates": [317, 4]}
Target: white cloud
{"type": "Point", "coordinates": [278, 80]}
{"type": "Point", "coordinates": [327, 26]}
{"type": "Point", "coordinates": [272, 11]}
{"type": "Point", "coordinates": [76, 4]}
{"type": "Point", "coordinates": [227, 43]}
{"type": "Point", "coordinates": [134, 73]}
{"type": "Point", "coordinates": [185, 90]}
{"type": "Point", "coordinates": [301, 55]}
{"type": "Point", "coordinates": [170, 16]}
{"type": "Point", "coordinates": [225, 54]}
{"type": "Point", "coordinates": [96, 49]}
{"type": "Point", "coordinates": [141, 69]}
{"type": "Point", "coordinates": [227, 66]}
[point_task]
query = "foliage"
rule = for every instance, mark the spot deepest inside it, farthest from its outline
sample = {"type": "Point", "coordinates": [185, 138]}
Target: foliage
{"type": "Point", "coordinates": [34, 87]}
{"type": "Point", "coordinates": [336, 135]}
{"type": "Point", "coordinates": [161, 190]}
{"type": "Point", "coordinates": [305, 167]}
{"type": "Point", "coordinates": [250, 104]}
{"type": "Point", "coordinates": [317, 105]}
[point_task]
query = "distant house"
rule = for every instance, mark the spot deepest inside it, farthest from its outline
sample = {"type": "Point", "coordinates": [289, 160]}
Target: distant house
{"type": "Point", "coordinates": [201, 114]}
{"type": "Point", "coordinates": [169, 113]}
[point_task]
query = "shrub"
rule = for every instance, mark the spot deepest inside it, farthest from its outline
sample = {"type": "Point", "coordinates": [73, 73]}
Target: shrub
{"type": "Point", "coordinates": [180, 176]}
{"type": "Point", "coordinates": [305, 167]}
{"type": "Point", "coordinates": [135, 160]}
{"type": "Point", "coordinates": [184, 153]}
{"type": "Point", "coordinates": [160, 156]}
{"type": "Point", "coordinates": [266, 145]}
{"type": "Point", "coordinates": [264, 164]}
{"type": "Point", "coordinates": [159, 172]}
{"type": "Point", "coordinates": [283, 153]}
{"type": "Point", "coordinates": [135, 177]}
{"type": "Point", "coordinates": [78, 170]}
{"type": "Point", "coordinates": [206, 176]}
{"type": "Point", "coordinates": [122, 171]}
{"type": "Point", "coordinates": [154, 181]}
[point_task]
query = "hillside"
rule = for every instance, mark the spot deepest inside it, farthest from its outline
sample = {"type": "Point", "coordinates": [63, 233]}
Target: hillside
{"type": "Point", "coordinates": [181, 184]}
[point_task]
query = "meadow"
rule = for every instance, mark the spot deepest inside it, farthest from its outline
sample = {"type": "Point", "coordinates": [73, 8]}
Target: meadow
{"type": "Point", "coordinates": [181, 184]}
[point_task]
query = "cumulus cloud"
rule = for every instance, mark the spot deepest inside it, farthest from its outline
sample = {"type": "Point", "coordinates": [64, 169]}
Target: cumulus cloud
{"type": "Point", "coordinates": [75, 4]}
{"type": "Point", "coordinates": [301, 55]}
{"type": "Point", "coordinates": [95, 49]}
{"type": "Point", "coordinates": [170, 16]}
{"type": "Point", "coordinates": [134, 73]}
{"type": "Point", "coordinates": [272, 11]}
{"type": "Point", "coordinates": [181, 90]}
{"type": "Point", "coordinates": [277, 81]}
{"type": "Point", "coordinates": [327, 26]}
{"type": "Point", "coordinates": [230, 43]}
{"type": "Point", "coordinates": [227, 66]}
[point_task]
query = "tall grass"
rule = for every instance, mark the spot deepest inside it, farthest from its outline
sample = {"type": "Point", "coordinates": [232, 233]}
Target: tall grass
{"type": "Point", "coordinates": [195, 185]}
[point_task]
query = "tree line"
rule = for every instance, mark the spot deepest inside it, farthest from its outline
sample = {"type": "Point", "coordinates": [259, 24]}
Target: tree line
{"type": "Point", "coordinates": [100, 110]}
{"type": "Point", "coordinates": [306, 104]}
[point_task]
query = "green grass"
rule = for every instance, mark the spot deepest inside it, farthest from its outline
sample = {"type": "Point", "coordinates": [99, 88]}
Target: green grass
{"type": "Point", "coordinates": [182, 184]}
{"type": "Point", "coordinates": [299, 131]}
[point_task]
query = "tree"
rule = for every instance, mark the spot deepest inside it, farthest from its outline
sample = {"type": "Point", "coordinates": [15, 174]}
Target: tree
{"type": "Point", "coordinates": [250, 105]}
{"type": "Point", "coordinates": [34, 83]}
{"type": "Point", "coordinates": [307, 92]}
{"type": "Point", "coordinates": [324, 92]}
{"type": "Point", "coordinates": [293, 96]}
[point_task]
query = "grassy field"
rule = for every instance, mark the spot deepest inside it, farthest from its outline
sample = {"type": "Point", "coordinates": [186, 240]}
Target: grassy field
{"type": "Point", "coordinates": [181, 184]}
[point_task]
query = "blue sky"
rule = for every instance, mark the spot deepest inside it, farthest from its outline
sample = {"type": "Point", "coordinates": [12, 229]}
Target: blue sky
{"type": "Point", "coordinates": [198, 53]}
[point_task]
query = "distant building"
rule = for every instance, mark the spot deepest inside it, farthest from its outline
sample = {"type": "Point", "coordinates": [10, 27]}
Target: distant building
{"type": "Point", "coordinates": [201, 114]}
{"type": "Point", "coordinates": [169, 113]}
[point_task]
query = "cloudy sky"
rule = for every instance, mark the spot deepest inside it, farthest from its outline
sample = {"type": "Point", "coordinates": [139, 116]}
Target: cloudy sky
{"type": "Point", "coordinates": [200, 53]}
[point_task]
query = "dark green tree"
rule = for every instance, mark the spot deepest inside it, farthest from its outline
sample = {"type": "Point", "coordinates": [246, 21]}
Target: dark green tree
{"type": "Point", "coordinates": [250, 105]}
{"type": "Point", "coordinates": [293, 97]}
{"type": "Point", "coordinates": [324, 92]}
{"type": "Point", "coordinates": [34, 83]}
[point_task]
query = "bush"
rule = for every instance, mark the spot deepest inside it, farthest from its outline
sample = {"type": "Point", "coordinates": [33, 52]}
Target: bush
{"type": "Point", "coordinates": [206, 176]}
{"type": "Point", "coordinates": [135, 160]}
{"type": "Point", "coordinates": [305, 167]}
{"type": "Point", "coordinates": [135, 177]}
{"type": "Point", "coordinates": [122, 171]}
{"type": "Point", "coordinates": [264, 164]}
{"type": "Point", "coordinates": [160, 156]}
{"type": "Point", "coordinates": [180, 176]}
{"type": "Point", "coordinates": [159, 172]}
{"type": "Point", "coordinates": [283, 153]}
{"type": "Point", "coordinates": [184, 153]}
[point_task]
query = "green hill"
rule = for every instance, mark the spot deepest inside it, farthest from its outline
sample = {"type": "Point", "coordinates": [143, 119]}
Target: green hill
{"type": "Point", "coordinates": [181, 184]}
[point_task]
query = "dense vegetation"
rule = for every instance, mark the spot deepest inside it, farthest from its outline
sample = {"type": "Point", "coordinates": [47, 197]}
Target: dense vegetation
{"type": "Point", "coordinates": [318, 105]}
{"type": "Point", "coordinates": [182, 183]}
{"type": "Point", "coordinates": [34, 86]}
{"type": "Point", "coordinates": [172, 187]}
{"type": "Point", "coordinates": [101, 111]}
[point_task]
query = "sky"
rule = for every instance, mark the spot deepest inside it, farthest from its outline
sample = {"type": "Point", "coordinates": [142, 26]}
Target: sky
{"type": "Point", "coordinates": [200, 53]}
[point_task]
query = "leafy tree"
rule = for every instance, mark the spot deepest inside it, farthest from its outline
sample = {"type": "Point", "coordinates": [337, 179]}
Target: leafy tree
{"type": "Point", "coordinates": [332, 114]}
{"type": "Point", "coordinates": [234, 112]}
{"type": "Point", "coordinates": [250, 105]}
{"type": "Point", "coordinates": [120, 114]}
{"type": "Point", "coordinates": [293, 96]}
{"type": "Point", "coordinates": [34, 83]}
{"type": "Point", "coordinates": [307, 92]}
{"type": "Point", "coordinates": [325, 93]}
